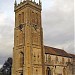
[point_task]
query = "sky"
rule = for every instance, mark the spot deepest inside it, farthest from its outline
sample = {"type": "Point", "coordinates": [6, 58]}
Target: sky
{"type": "Point", "coordinates": [57, 22]}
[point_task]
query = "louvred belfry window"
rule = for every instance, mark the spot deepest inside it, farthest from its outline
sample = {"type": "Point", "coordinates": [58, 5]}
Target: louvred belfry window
{"type": "Point", "coordinates": [22, 17]}
{"type": "Point", "coordinates": [33, 19]}
{"type": "Point", "coordinates": [19, 18]}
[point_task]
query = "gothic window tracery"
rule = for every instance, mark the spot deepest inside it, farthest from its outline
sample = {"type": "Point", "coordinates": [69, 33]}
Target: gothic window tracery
{"type": "Point", "coordinates": [22, 17]}
{"type": "Point", "coordinates": [48, 71]}
{"type": "Point", "coordinates": [19, 17]}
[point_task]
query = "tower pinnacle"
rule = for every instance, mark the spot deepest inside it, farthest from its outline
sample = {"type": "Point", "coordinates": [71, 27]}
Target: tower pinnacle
{"type": "Point", "coordinates": [15, 4]}
{"type": "Point", "coordinates": [40, 2]}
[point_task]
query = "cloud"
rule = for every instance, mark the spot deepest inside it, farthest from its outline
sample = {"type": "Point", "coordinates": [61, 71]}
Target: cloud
{"type": "Point", "coordinates": [0, 66]}
{"type": "Point", "coordinates": [57, 21]}
{"type": "Point", "coordinates": [6, 37]}
{"type": "Point", "coordinates": [58, 25]}
{"type": "Point", "coordinates": [2, 19]}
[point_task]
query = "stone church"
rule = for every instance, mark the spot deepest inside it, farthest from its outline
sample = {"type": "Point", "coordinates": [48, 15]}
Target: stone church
{"type": "Point", "coordinates": [30, 56]}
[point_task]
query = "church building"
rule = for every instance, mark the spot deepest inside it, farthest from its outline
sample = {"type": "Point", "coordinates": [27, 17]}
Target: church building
{"type": "Point", "coordinates": [30, 56]}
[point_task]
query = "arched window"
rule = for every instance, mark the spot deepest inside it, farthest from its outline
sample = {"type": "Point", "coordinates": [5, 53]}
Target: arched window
{"type": "Point", "coordinates": [68, 60]}
{"type": "Point", "coordinates": [62, 60]}
{"type": "Point", "coordinates": [21, 59]}
{"type": "Point", "coordinates": [64, 71]}
{"type": "Point", "coordinates": [49, 59]}
{"type": "Point", "coordinates": [56, 59]}
{"type": "Point", "coordinates": [48, 71]}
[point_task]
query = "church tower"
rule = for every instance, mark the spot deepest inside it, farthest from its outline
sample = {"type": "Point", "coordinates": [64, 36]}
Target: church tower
{"type": "Point", "coordinates": [28, 52]}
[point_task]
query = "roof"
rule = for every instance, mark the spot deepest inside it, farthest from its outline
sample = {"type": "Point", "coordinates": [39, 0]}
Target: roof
{"type": "Point", "coordinates": [73, 55]}
{"type": "Point", "coordinates": [56, 51]}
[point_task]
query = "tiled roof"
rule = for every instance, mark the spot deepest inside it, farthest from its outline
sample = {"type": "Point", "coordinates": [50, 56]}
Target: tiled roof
{"type": "Point", "coordinates": [56, 51]}
{"type": "Point", "coordinates": [73, 55]}
{"type": "Point", "coordinates": [49, 50]}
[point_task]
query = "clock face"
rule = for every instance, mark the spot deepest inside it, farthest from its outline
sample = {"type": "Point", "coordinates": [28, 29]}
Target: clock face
{"type": "Point", "coordinates": [20, 26]}
{"type": "Point", "coordinates": [35, 27]}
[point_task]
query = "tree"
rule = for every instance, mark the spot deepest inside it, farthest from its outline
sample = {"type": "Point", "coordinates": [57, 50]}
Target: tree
{"type": "Point", "coordinates": [6, 69]}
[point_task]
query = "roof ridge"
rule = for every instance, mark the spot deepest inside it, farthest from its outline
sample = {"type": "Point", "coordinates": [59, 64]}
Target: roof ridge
{"type": "Point", "coordinates": [56, 51]}
{"type": "Point", "coordinates": [53, 47]}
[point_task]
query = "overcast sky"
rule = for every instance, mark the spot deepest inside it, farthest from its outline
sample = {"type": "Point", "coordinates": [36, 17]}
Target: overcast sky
{"type": "Point", "coordinates": [57, 22]}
